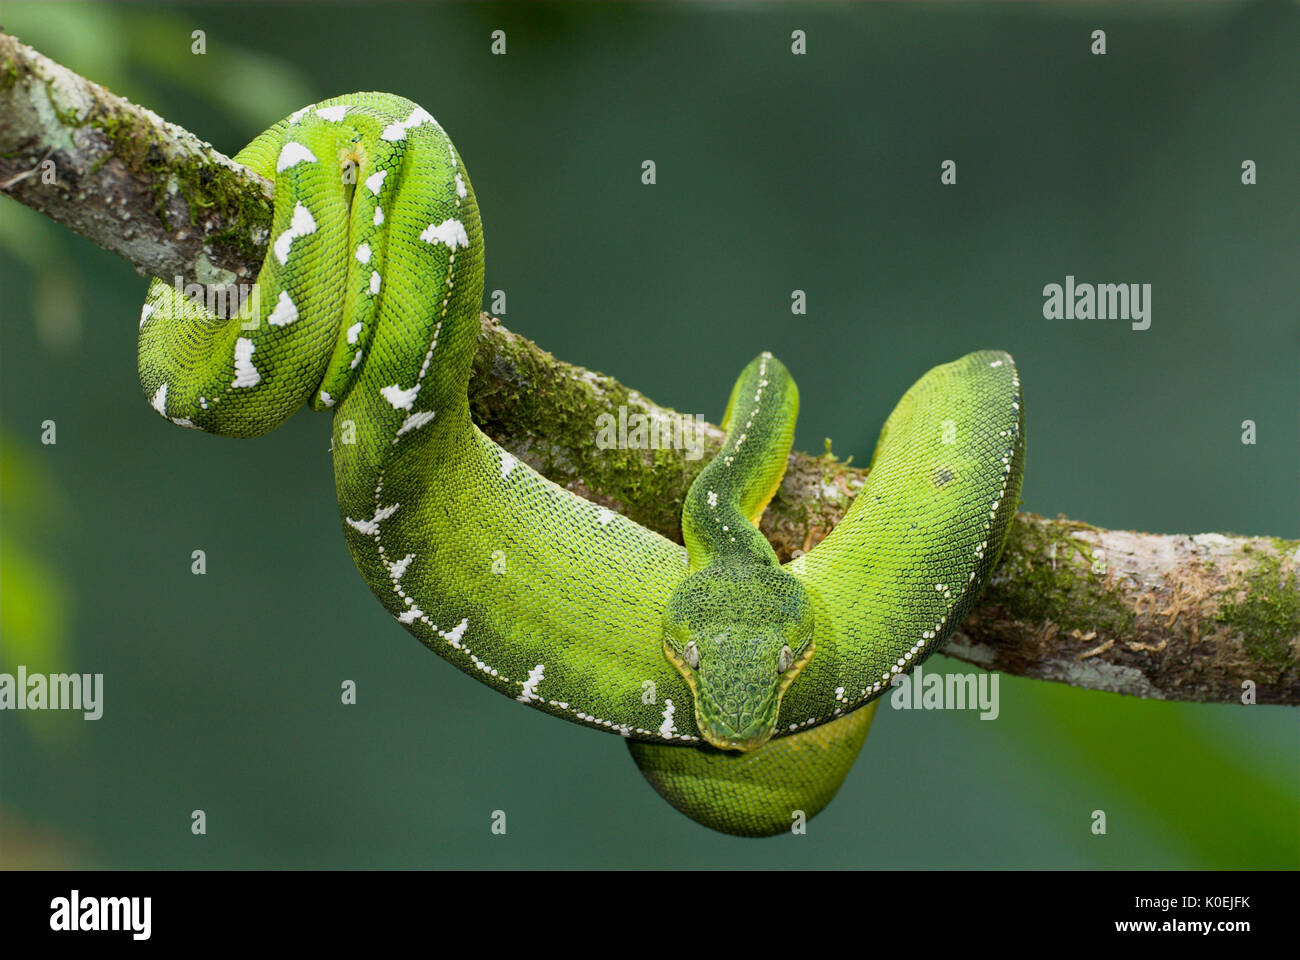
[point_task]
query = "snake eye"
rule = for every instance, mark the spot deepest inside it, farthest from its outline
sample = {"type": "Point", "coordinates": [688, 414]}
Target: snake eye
{"type": "Point", "coordinates": [691, 654]}
{"type": "Point", "coordinates": [786, 660]}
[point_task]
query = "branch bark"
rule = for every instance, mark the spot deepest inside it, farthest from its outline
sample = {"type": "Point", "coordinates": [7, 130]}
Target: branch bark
{"type": "Point", "coordinates": [1198, 618]}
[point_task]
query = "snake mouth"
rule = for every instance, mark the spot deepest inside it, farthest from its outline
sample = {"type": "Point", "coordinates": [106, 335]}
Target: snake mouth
{"type": "Point", "coordinates": [739, 733]}
{"type": "Point", "coordinates": [731, 740]}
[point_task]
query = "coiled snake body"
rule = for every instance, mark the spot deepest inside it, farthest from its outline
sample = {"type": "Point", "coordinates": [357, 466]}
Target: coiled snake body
{"type": "Point", "coordinates": [745, 688]}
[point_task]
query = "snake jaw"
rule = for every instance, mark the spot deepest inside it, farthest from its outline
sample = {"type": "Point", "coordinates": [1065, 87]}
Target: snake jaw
{"type": "Point", "coordinates": [738, 746]}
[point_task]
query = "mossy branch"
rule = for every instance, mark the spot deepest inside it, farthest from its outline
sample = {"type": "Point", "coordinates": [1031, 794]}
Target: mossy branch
{"type": "Point", "coordinates": [120, 175]}
{"type": "Point", "coordinates": [1205, 618]}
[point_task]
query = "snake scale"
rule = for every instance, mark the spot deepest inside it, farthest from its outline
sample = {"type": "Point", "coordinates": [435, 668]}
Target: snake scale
{"type": "Point", "coordinates": [743, 687]}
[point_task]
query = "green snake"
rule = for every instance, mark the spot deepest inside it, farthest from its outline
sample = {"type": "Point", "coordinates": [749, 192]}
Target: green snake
{"type": "Point", "coordinates": [744, 687]}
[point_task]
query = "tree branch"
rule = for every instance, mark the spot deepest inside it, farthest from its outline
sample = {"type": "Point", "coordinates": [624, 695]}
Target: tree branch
{"type": "Point", "coordinates": [1173, 617]}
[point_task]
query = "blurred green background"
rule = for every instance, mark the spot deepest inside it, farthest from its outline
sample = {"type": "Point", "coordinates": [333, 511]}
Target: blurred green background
{"type": "Point", "coordinates": [775, 172]}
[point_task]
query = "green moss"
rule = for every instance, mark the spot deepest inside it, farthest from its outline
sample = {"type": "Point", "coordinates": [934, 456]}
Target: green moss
{"type": "Point", "coordinates": [208, 188]}
{"type": "Point", "coordinates": [67, 117]}
{"type": "Point", "coordinates": [517, 393]}
{"type": "Point", "coordinates": [1067, 590]}
{"type": "Point", "coordinates": [10, 75]}
{"type": "Point", "coordinates": [1268, 615]}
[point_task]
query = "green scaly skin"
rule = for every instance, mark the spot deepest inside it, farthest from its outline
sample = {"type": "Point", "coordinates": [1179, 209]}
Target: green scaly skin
{"type": "Point", "coordinates": [738, 627]}
{"type": "Point", "coordinates": [367, 306]}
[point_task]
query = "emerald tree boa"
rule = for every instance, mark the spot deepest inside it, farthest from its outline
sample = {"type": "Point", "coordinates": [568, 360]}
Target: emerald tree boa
{"type": "Point", "coordinates": [744, 687]}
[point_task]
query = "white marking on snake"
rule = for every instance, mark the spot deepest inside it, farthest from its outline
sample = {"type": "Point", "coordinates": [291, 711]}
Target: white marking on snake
{"type": "Point", "coordinates": [605, 516]}
{"type": "Point", "coordinates": [285, 312]}
{"type": "Point", "coordinates": [415, 421]}
{"type": "Point", "coordinates": [299, 114]}
{"type": "Point", "coordinates": [374, 281]}
{"type": "Point", "coordinates": [449, 232]}
{"type": "Point", "coordinates": [668, 728]}
{"type": "Point", "coordinates": [433, 341]}
{"type": "Point", "coordinates": [379, 215]}
{"type": "Point", "coordinates": [354, 331]}
{"type": "Point", "coordinates": [145, 311]}
{"type": "Point", "coordinates": [292, 154]}
{"type": "Point", "coordinates": [453, 635]}
{"type": "Point", "coordinates": [375, 181]}
{"type": "Point", "coordinates": [371, 526]}
{"type": "Point", "coordinates": [333, 114]}
{"type": "Point", "coordinates": [399, 398]}
{"type": "Point", "coordinates": [529, 692]}
{"type": "Point", "coordinates": [363, 252]}
{"type": "Point", "coordinates": [159, 400]}
{"type": "Point", "coordinates": [410, 615]}
{"type": "Point", "coordinates": [395, 570]}
{"type": "Point", "coordinates": [301, 225]}
{"type": "Point", "coordinates": [246, 374]}
{"type": "Point", "coordinates": [397, 131]}
{"type": "Point", "coordinates": [508, 463]}
{"type": "Point", "coordinates": [326, 399]}
{"type": "Point", "coordinates": [461, 190]}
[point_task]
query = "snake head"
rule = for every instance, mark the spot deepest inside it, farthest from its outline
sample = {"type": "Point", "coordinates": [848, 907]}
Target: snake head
{"type": "Point", "coordinates": [739, 637]}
